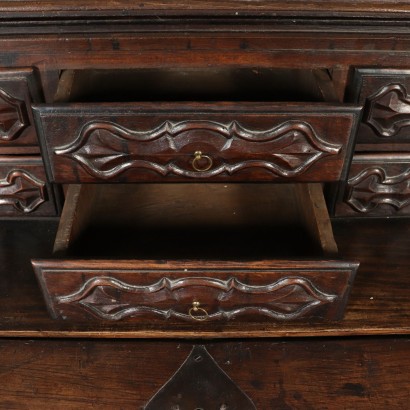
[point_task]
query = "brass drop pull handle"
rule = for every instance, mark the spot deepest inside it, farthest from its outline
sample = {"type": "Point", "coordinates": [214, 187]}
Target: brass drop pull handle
{"type": "Point", "coordinates": [197, 312]}
{"type": "Point", "coordinates": [201, 162]}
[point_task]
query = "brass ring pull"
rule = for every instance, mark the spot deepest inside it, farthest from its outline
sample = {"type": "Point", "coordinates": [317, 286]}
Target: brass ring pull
{"type": "Point", "coordinates": [198, 156]}
{"type": "Point", "coordinates": [195, 309]}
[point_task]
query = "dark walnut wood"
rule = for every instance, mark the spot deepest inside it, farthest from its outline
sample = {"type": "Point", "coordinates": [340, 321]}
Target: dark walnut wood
{"type": "Point", "coordinates": [24, 190]}
{"type": "Point", "coordinates": [18, 90]}
{"type": "Point", "coordinates": [212, 389]}
{"type": "Point", "coordinates": [209, 141]}
{"type": "Point", "coordinates": [378, 185]}
{"type": "Point", "coordinates": [214, 142]}
{"type": "Point", "coordinates": [299, 8]}
{"type": "Point", "coordinates": [357, 373]}
{"type": "Point", "coordinates": [385, 95]}
{"type": "Point", "coordinates": [246, 46]}
{"type": "Point", "coordinates": [378, 303]}
{"type": "Point", "coordinates": [195, 291]}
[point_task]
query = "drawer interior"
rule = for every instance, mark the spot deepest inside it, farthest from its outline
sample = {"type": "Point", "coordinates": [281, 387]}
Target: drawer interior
{"type": "Point", "coordinates": [208, 84]}
{"type": "Point", "coordinates": [205, 221]}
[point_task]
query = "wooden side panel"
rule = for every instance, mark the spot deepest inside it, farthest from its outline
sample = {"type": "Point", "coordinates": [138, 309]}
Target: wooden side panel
{"type": "Point", "coordinates": [74, 217]}
{"type": "Point", "coordinates": [197, 142]}
{"type": "Point", "coordinates": [314, 214]}
{"type": "Point", "coordinates": [378, 185]}
{"type": "Point", "coordinates": [195, 291]}
{"type": "Point", "coordinates": [24, 190]}
{"type": "Point", "coordinates": [18, 90]}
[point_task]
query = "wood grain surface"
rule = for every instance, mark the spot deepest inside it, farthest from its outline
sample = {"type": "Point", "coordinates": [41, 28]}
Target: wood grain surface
{"type": "Point", "coordinates": [302, 374]}
{"type": "Point", "coordinates": [197, 7]}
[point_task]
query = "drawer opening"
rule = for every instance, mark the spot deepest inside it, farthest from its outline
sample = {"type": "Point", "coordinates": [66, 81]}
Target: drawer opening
{"type": "Point", "coordinates": [165, 253]}
{"type": "Point", "coordinates": [195, 221]}
{"type": "Point", "coordinates": [209, 84]}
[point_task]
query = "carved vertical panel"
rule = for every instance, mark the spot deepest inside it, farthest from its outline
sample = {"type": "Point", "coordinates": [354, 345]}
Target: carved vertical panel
{"type": "Point", "coordinates": [385, 95]}
{"type": "Point", "coordinates": [378, 185]}
{"type": "Point", "coordinates": [388, 111]}
{"type": "Point", "coordinates": [200, 384]}
{"type": "Point", "coordinates": [23, 188]}
{"type": "Point", "coordinates": [18, 89]}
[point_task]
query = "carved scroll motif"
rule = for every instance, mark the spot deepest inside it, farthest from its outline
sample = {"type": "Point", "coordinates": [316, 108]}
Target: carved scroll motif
{"type": "Point", "coordinates": [111, 299]}
{"type": "Point", "coordinates": [200, 384]}
{"type": "Point", "coordinates": [13, 117]}
{"type": "Point", "coordinates": [388, 110]}
{"type": "Point", "coordinates": [372, 187]}
{"type": "Point", "coordinates": [22, 191]}
{"type": "Point", "coordinates": [106, 149]}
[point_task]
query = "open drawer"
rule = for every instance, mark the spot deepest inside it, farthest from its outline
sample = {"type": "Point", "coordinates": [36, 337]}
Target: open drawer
{"type": "Point", "coordinates": [195, 252]}
{"type": "Point", "coordinates": [241, 125]}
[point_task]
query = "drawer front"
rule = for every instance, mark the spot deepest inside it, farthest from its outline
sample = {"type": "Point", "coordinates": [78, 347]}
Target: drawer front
{"type": "Point", "coordinates": [18, 90]}
{"type": "Point", "coordinates": [145, 291]}
{"type": "Point", "coordinates": [385, 95]}
{"type": "Point", "coordinates": [213, 142]}
{"type": "Point", "coordinates": [23, 188]}
{"type": "Point", "coordinates": [378, 185]}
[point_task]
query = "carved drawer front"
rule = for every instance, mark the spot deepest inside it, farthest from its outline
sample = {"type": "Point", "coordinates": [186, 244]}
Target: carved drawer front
{"type": "Point", "coordinates": [378, 185]}
{"type": "Point", "coordinates": [197, 142]}
{"type": "Point", "coordinates": [385, 95]}
{"type": "Point", "coordinates": [23, 188]}
{"type": "Point", "coordinates": [195, 292]}
{"type": "Point", "coordinates": [216, 254]}
{"type": "Point", "coordinates": [18, 90]}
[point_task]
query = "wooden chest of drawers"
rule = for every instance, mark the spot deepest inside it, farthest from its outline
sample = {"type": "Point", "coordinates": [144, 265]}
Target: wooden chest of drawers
{"type": "Point", "coordinates": [210, 274]}
{"type": "Point", "coordinates": [212, 154]}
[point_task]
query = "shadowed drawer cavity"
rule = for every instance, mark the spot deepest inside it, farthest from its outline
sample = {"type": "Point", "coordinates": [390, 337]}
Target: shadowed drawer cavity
{"type": "Point", "coordinates": [196, 253]}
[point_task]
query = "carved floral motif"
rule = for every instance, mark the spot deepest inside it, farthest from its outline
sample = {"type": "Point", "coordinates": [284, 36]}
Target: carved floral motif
{"type": "Point", "coordinates": [112, 299]}
{"type": "Point", "coordinates": [13, 117]}
{"type": "Point", "coordinates": [106, 149]}
{"type": "Point", "coordinates": [388, 110]}
{"type": "Point", "coordinates": [22, 190]}
{"type": "Point", "coordinates": [372, 187]}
